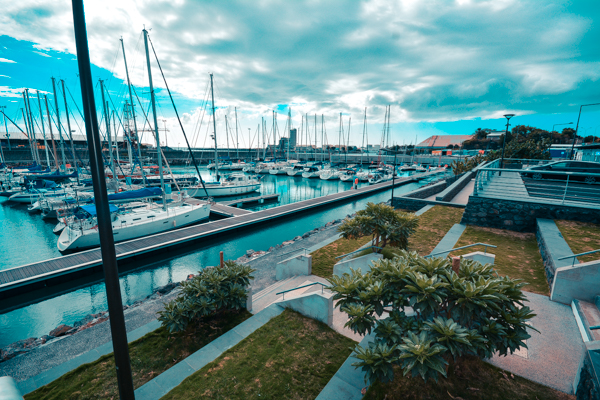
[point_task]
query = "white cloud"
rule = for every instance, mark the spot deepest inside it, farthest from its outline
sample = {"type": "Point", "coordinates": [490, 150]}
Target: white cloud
{"type": "Point", "coordinates": [5, 60]}
{"type": "Point", "coordinates": [42, 54]}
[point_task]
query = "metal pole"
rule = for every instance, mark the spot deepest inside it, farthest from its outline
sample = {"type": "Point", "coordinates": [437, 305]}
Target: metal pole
{"type": "Point", "coordinates": [153, 101]}
{"type": "Point", "coordinates": [212, 94]}
{"type": "Point", "coordinates": [393, 179]}
{"type": "Point", "coordinates": [28, 134]}
{"type": "Point", "coordinates": [62, 143]}
{"type": "Point", "coordinates": [237, 140]}
{"type": "Point", "coordinates": [62, 81]}
{"type": "Point", "coordinates": [107, 247]}
{"type": "Point", "coordinates": [51, 133]}
{"type": "Point", "coordinates": [6, 129]}
{"type": "Point", "coordinates": [508, 117]}
{"type": "Point", "coordinates": [107, 123]}
{"type": "Point", "coordinates": [33, 138]}
{"type": "Point", "coordinates": [137, 137]}
{"type": "Point", "coordinates": [43, 129]}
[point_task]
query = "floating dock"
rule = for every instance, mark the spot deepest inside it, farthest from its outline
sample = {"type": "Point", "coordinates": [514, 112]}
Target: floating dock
{"type": "Point", "coordinates": [19, 280]}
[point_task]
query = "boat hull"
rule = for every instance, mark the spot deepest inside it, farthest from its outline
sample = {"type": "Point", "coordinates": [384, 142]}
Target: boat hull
{"type": "Point", "coordinates": [220, 191]}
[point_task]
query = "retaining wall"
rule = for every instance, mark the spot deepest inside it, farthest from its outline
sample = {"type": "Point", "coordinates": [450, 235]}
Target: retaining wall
{"type": "Point", "coordinates": [313, 305]}
{"type": "Point", "coordinates": [452, 190]}
{"type": "Point", "coordinates": [363, 262]}
{"type": "Point", "coordinates": [552, 246]}
{"type": "Point", "coordinates": [521, 216]}
{"type": "Point", "coordinates": [588, 387]}
{"type": "Point", "coordinates": [293, 266]}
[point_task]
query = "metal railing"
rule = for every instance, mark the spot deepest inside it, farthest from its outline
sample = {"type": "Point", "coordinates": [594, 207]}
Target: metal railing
{"type": "Point", "coordinates": [323, 286]}
{"type": "Point", "coordinates": [577, 255]}
{"type": "Point", "coordinates": [554, 186]}
{"type": "Point", "coordinates": [303, 249]}
{"type": "Point", "coordinates": [463, 247]}
{"type": "Point", "coordinates": [359, 250]}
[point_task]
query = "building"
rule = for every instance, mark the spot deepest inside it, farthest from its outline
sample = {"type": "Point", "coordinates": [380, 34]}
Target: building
{"type": "Point", "coordinates": [495, 135]}
{"type": "Point", "coordinates": [590, 152]}
{"type": "Point", "coordinates": [441, 142]}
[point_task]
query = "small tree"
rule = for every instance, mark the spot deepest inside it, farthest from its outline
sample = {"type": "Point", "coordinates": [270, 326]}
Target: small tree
{"type": "Point", "coordinates": [212, 291]}
{"type": "Point", "coordinates": [383, 223]}
{"type": "Point", "coordinates": [475, 312]}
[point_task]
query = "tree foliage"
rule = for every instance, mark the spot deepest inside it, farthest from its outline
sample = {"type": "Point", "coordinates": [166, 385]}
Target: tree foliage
{"type": "Point", "coordinates": [530, 149]}
{"type": "Point", "coordinates": [212, 291]}
{"type": "Point", "coordinates": [386, 225]}
{"type": "Point", "coordinates": [435, 316]}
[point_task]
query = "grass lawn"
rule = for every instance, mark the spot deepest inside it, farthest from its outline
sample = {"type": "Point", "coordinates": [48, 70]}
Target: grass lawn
{"type": "Point", "coordinates": [473, 379]}
{"type": "Point", "coordinates": [150, 356]}
{"type": "Point", "coordinates": [324, 259]}
{"type": "Point", "coordinates": [581, 237]}
{"type": "Point", "coordinates": [290, 357]}
{"type": "Point", "coordinates": [433, 225]}
{"type": "Point", "coordinates": [517, 255]}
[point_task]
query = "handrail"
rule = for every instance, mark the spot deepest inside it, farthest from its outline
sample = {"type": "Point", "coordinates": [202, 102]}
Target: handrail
{"type": "Point", "coordinates": [293, 251]}
{"type": "Point", "coordinates": [356, 251]}
{"type": "Point", "coordinates": [463, 247]}
{"type": "Point", "coordinates": [303, 286]}
{"type": "Point", "coordinates": [577, 255]}
{"type": "Point", "coordinates": [544, 171]}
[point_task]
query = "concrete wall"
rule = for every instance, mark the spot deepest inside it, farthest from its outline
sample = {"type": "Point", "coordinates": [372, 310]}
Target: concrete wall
{"type": "Point", "coordinates": [363, 262]}
{"type": "Point", "coordinates": [521, 215]}
{"type": "Point", "coordinates": [552, 246]}
{"type": "Point", "coordinates": [413, 201]}
{"type": "Point", "coordinates": [587, 386]}
{"type": "Point", "coordinates": [453, 189]}
{"type": "Point", "coordinates": [294, 266]}
{"type": "Point", "coordinates": [426, 191]}
{"type": "Point", "coordinates": [8, 389]}
{"type": "Point", "coordinates": [481, 257]}
{"type": "Point", "coordinates": [581, 282]}
{"type": "Point", "coordinates": [315, 305]}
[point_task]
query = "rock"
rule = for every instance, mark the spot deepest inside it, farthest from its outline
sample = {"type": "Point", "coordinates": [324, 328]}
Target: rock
{"type": "Point", "coordinates": [249, 253]}
{"type": "Point", "coordinates": [10, 352]}
{"type": "Point", "coordinates": [84, 321]}
{"type": "Point", "coordinates": [167, 288]}
{"type": "Point", "coordinates": [298, 238]}
{"type": "Point", "coordinates": [305, 235]}
{"type": "Point", "coordinates": [287, 243]}
{"type": "Point", "coordinates": [60, 330]}
{"type": "Point", "coordinates": [271, 248]}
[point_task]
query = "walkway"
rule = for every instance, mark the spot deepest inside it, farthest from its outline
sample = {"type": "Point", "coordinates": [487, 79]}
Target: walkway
{"type": "Point", "coordinates": [554, 354]}
{"type": "Point", "coordinates": [463, 196]}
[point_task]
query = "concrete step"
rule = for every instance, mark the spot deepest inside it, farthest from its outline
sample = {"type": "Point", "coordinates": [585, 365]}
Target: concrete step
{"type": "Point", "coordinates": [268, 289]}
{"type": "Point", "coordinates": [269, 295]}
{"type": "Point", "coordinates": [587, 316]}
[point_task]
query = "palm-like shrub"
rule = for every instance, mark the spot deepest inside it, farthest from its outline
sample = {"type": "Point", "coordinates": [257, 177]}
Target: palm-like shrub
{"type": "Point", "coordinates": [383, 223]}
{"type": "Point", "coordinates": [212, 291]}
{"type": "Point", "coordinates": [475, 312]}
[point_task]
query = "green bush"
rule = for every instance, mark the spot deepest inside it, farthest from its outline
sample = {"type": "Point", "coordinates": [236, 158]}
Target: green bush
{"type": "Point", "coordinates": [386, 225]}
{"type": "Point", "coordinates": [213, 290]}
{"type": "Point", "coordinates": [475, 312]}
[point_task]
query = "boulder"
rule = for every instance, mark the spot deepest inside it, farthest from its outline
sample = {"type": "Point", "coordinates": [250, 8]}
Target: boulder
{"type": "Point", "coordinates": [60, 330]}
{"type": "Point", "coordinates": [249, 253]}
{"type": "Point", "coordinates": [298, 238]}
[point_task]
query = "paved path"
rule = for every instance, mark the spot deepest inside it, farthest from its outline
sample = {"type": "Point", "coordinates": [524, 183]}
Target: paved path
{"type": "Point", "coordinates": [553, 355]}
{"type": "Point", "coordinates": [462, 197]}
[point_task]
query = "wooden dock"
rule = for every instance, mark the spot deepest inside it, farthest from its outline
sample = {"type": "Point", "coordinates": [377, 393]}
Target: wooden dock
{"type": "Point", "coordinates": [223, 210]}
{"type": "Point", "coordinates": [20, 279]}
{"type": "Point", "coordinates": [248, 200]}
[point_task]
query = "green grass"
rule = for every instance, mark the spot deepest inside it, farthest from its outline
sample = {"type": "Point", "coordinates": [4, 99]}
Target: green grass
{"type": "Point", "coordinates": [150, 356]}
{"type": "Point", "coordinates": [517, 254]}
{"type": "Point", "coordinates": [433, 225]}
{"type": "Point", "coordinates": [324, 259]}
{"type": "Point", "coordinates": [290, 357]}
{"type": "Point", "coordinates": [581, 237]}
{"type": "Point", "coordinates": [472, 379]}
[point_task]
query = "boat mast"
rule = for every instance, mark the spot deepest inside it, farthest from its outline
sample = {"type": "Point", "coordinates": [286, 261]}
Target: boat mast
{"type": "Point", "coordinates": [363, 138]}
{"type": "Point", "coordinates": [153, 101]}
{"type": "Point", "coordinates": [212, 95]}
{"type": "Point", "coordinates": [62, 81]}
{"type": "Point", "coordinates": [137, 138]}
{"type": "Point", "coordinates": [322, 137]}
{"type": "Point", "coordinates": [348, 139]}
{"type": "Point", "coordinates": [107, 122]}
{"type": "Point", "coordinates": [227, 134]}
{"type": "Point", "coordinates": [340, 137]}
{"type": "Point", "coordinates": [62, 142]}
{"type": "Point", "coordinates": [263, 135]}
{"type": "Point", "coordinates": [237, 140]}
{"type": "Point", "coordinates": [28, 134]}
{"type": "Point", "coordinates": [289, 132]}
{"type": "Point", "coordinates": [315, 152]}
{"type": "Point", "coordinates": [37, 154]}
{"type": "Point", "coordinates": [51, 134]}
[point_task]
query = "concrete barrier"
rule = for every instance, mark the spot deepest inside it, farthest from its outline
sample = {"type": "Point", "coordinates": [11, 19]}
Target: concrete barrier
{"type": "Point", "coordinates": [452, 190]}
{"type": "Point", "coordinates": [580, 281]}
{"type": "Point", "coordinates": [8, 389]}
{"type": "Point", "coordinates": [363, 262]}
{"type": "Point", "coordinates": [315, 305]}
{"type": "Point", "coordinates": [481, 257]}
{"type": "Point", "coordinates": [297, 265]}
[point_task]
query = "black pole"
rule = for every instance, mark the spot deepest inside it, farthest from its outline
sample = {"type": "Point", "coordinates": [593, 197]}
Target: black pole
{"type": "Point", "coordinates": [577, 128]}
{"type": "Point", "coordinates": [508, 117]}
{"type": "Point", "coordinates": [393, 178]}
{"type": "Point", "coordinates": [107, 245]}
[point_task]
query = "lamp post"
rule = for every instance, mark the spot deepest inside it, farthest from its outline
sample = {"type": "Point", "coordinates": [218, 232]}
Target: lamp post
{"type": "Point", "coordinates": [508, 117]}
{"type": "Point", "coordinates": [568, 123]}
{"type": "Point", "coordinates": [393, 179]}
{"type": "Point", "coordinates": [577, 127]}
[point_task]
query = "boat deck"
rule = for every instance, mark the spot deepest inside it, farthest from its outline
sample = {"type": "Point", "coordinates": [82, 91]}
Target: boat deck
{"type": "Point", "coordinates": [19, 279]}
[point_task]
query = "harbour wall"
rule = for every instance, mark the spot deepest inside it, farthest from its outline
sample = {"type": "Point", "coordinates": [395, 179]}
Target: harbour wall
{"type": "Point", "coordinates": [415, 200]}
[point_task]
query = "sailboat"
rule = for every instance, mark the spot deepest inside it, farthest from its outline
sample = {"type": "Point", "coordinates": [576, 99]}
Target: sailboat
{"type": "Point", "coordinates": [230, 185]}
{"type": "Point", "coordinates": [81, 229]}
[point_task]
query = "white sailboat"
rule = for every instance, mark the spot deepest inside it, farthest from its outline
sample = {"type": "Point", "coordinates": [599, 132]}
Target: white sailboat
{"type": "Point", "coordinates": [231, 185]}
{"type": "Point", "coordinates": [311, 172]}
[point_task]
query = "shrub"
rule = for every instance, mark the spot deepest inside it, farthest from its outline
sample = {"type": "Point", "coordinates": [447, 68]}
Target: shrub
{"type": "Point", "coordinates": [212, 291]}
{"type": "Point", "coordinates": [475, 312]}
{"type": "Point", "coordinates": [383, 223]}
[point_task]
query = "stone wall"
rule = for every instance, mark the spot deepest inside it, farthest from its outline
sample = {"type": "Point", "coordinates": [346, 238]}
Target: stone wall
{"type": "Point", "coordinates": [521, 215]}
{"type": "Point", "coordinates": [589, 385]}
{"type": "Point", "coordinates": [460, 181]}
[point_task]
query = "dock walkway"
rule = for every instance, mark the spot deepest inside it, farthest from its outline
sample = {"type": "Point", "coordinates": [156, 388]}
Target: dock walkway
{"type": "Point", "coordinates": [40, 273]}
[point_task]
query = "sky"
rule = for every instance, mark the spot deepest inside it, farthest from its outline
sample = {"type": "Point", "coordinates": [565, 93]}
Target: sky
{"type": "Point", "coordinates": [443, 67]}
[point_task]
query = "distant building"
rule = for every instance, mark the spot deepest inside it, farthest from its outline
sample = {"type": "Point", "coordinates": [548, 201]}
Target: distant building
{"type": "Point", "coordinates": [293, 133]}
{"type": "Point", "coordinates": [440, 142]}
{"type": "Point", "coordinates": [495, 135]}
{"type": "Point", "coordinates": [590, 152]}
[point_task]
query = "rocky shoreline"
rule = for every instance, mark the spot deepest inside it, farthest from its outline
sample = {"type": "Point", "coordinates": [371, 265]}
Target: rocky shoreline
{"type": "Point", "coordinates": [23, 346]}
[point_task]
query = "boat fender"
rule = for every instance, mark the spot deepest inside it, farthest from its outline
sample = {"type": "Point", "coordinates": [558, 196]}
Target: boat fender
{"type": "Point", "coordinates": [174, 223]}
{"type": "Point", "coordinates": [95, 227]}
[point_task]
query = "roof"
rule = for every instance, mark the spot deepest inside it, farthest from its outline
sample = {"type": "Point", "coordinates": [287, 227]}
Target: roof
{"type": "Point", "coordinates": [443, 141]}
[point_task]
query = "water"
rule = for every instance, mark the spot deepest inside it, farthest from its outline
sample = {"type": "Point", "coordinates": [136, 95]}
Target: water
{"type": "Point", "coordinates": [26, 238]}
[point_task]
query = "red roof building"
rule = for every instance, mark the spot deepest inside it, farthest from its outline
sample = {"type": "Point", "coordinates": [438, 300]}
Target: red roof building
{"type": "Point", "coordinates": [438, 142]}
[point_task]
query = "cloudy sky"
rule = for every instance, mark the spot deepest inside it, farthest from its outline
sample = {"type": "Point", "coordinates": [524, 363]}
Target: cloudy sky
{"type": "Point", "coordinates": [442, 66]}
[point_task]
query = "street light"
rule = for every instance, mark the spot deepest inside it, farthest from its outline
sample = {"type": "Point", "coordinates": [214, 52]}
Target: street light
{"type": "Point", "coordinates": [577, 127]}
{"type": "Point", "coordinates": [508, 117]}
{"type": "Point", "coordinates": [568, 123]}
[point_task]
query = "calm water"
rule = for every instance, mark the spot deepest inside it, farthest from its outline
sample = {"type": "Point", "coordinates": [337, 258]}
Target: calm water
{"type": "Point", "coordinates": [27, 238]}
